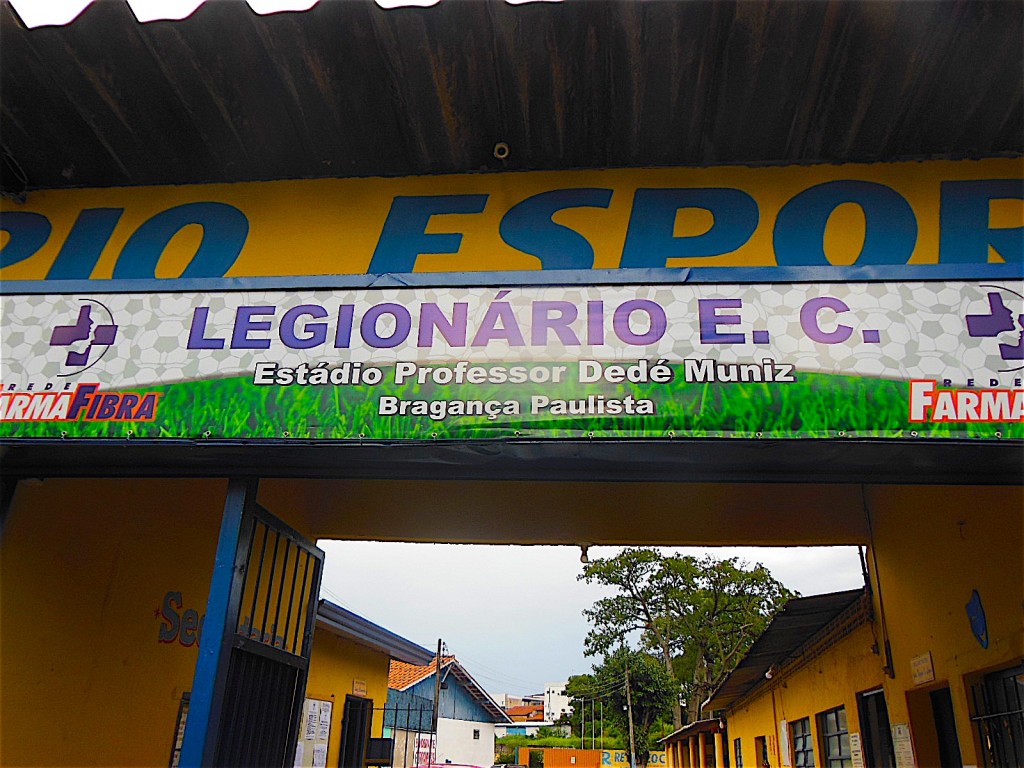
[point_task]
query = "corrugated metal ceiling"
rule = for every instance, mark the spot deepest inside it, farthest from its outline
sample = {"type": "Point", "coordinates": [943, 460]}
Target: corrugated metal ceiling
{"type": "Point", "coordinates": [351, 89]}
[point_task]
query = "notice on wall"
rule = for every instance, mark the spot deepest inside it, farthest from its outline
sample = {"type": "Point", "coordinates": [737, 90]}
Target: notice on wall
{"type": "Point", "coordinates": [323, 729]}
{"type": "Point", "coordinates": [315, 733]}
{"type": "Point", "coordinates": [903, 746]}
{"type": "Point", "coordinates": [312, 718]}
{"type": "Point", "coordinates": [921, 669]}
{"type": "Point", "coordinates": [784, 742]}
{"type": "Point", "coordinates": [856, 751]}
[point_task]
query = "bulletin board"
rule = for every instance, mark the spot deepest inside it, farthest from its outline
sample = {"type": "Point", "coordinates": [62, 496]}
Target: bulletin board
{"type": "Point", "coordinates": [314, 733]}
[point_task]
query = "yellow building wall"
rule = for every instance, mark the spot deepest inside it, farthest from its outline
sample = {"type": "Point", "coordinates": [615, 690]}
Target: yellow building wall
{"type": "Point", "coordinates": [831, 680]}
{"type": "Point", "coordinates": [934, 547]}
{"type": "Point", "coordinates": [339, 667]}
{"type": "Point", "coordinates": [85, 571]}
{"type": "Point", "coordinates": [86, 566]}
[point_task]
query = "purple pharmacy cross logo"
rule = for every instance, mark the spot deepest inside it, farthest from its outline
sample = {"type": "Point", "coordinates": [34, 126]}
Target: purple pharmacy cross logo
{"type": "Point", "coordinates": [84, 336]}
{"type": "Point", "coordinates": [998, 320]}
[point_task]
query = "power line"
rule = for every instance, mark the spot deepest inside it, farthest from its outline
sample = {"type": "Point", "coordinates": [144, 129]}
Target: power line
{"type": "Point", "coordinates": [601, 690]}
{"type": "Point", "coordinates": [497, 675]}
{"type": "Point", "coordinates": [336, 598]}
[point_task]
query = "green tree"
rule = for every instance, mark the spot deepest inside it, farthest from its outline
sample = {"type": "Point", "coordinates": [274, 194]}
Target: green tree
{"type": "Point", "coordinates": [651, 690]}
{"type": "Point", "coordinates": [700, 615]}
{"type": "Point", "coordinates": [580, 689]}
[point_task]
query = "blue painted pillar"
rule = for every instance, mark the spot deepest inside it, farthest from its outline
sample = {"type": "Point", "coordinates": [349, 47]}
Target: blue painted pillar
{"type": "Point", "coordinates": [218, 628]}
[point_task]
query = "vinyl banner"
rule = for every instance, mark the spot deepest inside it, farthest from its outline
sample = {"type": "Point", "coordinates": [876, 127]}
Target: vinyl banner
{"type": "Point", "coordinates": [923, 359]}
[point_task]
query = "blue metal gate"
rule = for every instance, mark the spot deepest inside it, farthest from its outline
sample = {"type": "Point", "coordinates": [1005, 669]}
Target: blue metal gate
{"type": "Point", "coordinates": [253, 662]}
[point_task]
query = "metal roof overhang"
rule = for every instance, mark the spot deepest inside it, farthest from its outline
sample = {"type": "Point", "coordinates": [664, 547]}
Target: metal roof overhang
{"type": "Point", "coordinates": [347, 624]}
{"type": "Point", "coordinates": [797, 623]}
{"type": "Point", "coordinates": [711, 725]}
{"type": "Point", "coordinates": [477, 693]}
{"type": "Point", "coordinates": [351, 89]}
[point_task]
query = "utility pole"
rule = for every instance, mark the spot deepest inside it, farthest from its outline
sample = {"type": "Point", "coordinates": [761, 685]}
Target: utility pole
{"type": "Point", "coordinates": [437, 701]}
{"type": "Point", "coordinates": [583, 722]}
{"type": "Point", "coordinates": [629, 712]}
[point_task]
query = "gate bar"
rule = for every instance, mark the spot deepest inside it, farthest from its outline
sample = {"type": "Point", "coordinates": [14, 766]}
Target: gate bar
{"type": "Point", "coordinates": [218, 628]}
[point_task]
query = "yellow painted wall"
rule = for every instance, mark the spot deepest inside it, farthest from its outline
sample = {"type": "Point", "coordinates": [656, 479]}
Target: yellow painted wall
{"type": "Point", "coordinates": [85, 566]}
{"type": "Point", "coordinates": [934, 546]}
{"type": "Point", "coordinates": [829, 681]}
{"type": "Point", "coordinates": [336, 664]}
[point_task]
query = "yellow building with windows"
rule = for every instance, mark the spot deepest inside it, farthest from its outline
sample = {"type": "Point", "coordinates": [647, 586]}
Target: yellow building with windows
{"type": "Point", "coordinates": [923, 667]}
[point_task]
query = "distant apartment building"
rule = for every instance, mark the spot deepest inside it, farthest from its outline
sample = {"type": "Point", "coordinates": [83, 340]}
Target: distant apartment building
{"type": "Point", "coordinates": [506, 700]}
{"type": "Point", "coordinates": [556, 703]}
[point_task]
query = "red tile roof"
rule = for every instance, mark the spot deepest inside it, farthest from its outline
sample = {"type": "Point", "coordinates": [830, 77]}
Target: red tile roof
{"type": "Point", "coordinates": [526, 712]}
{"type": "Point", "coordinates": [402, 675]}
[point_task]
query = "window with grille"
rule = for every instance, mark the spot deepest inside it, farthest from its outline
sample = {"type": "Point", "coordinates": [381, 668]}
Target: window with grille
{"type": "Point", "coordinates": [738, 751]}
{"type": "Point", "coordinates": [802, 743]}
{"type": "Point", "coordinates": [835, 738]}
{"type": "Point", "coordinates": [997, 704]}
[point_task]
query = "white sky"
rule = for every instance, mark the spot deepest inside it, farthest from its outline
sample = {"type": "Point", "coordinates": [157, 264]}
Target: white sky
{"type": "Point", "coordinates": [39, 13]}
{"type": "Point", "coordinates": [513, 614]}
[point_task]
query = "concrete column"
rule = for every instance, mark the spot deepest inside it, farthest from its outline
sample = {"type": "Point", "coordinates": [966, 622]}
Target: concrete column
{"type": "Point", "coordinates": [719, 750]}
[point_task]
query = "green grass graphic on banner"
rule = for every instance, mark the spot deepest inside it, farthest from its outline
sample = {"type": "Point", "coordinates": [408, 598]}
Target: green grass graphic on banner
{"type": "Point", "coordinates": [814, 406]}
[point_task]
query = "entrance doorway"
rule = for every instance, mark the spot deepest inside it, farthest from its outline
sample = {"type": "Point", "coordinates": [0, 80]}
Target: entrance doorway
{"type": "Point", "coordinates": [355, 731]}
{"type": "Point", "coordinates": [934, 727]}
{"type": "Point", "coordinates": [875, 731]}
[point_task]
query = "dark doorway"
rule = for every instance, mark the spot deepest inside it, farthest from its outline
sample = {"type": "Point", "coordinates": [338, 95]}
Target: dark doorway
{"type": "Point", "coordinates": [874, 724]}
{"type": "Point", "coordinates": [355, 731]}
{"type": "Point", "coordinates": [945, 728]}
